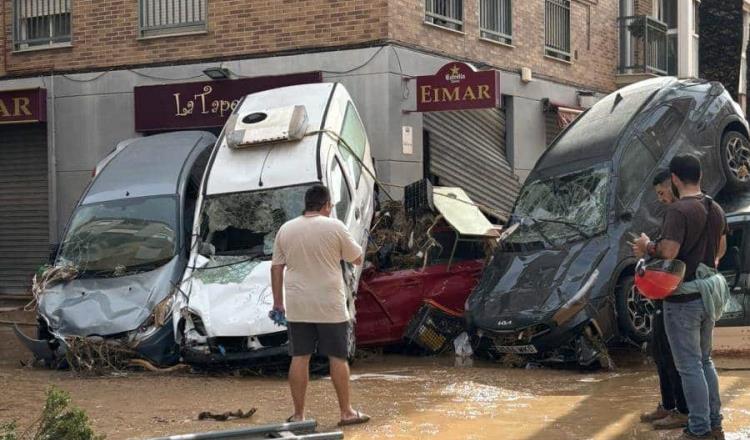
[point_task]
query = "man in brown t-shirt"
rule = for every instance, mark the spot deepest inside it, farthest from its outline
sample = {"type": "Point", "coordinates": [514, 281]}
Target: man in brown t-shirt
{"type": "Point", "coordinates": [694, 231]}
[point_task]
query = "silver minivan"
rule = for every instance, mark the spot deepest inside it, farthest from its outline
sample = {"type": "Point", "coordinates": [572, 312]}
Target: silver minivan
{"type": "Point", "coordinates": [126, 247]}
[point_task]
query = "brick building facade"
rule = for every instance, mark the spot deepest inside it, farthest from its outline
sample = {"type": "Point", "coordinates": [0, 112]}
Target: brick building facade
{"type": "Point", "coordinates": [86, 58]}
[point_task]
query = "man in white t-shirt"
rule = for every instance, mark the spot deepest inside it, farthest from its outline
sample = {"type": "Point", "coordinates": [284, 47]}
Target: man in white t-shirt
{"type": "Point", "coordinates": [313, 296]}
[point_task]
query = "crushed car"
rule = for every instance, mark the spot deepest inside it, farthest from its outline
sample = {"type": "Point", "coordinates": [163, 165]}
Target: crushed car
{"type": "Point", "coordinates": [424, 264]}
{"type": "Point", "coordinates": [275, 145]}
{"type": "Point", "coordinates": [123, 252]}
{"type": "Point", "coordinates": [560, 288]}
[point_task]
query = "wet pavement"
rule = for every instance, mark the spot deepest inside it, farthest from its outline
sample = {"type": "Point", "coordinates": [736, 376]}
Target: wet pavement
{"type": "Point", "coordinates": [408, 398]}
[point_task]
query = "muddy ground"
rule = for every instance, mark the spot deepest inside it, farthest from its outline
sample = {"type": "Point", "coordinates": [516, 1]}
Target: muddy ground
{"type": "Point", "coordinates": [408, 398]}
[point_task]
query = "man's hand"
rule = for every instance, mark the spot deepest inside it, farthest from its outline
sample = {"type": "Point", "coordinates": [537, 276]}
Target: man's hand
{"type": "Point", "coordinates": [279, 307]}
{"type": "Point", "coordinates": [640, 246]}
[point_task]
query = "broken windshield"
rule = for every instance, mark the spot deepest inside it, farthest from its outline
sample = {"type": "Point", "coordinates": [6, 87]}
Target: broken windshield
{"type": "Point", "coordinates": [246, 223]}
{"type": "Point", "coordinates": [563, 208]}
{"type": "Point", "coordinates": [121, 237]}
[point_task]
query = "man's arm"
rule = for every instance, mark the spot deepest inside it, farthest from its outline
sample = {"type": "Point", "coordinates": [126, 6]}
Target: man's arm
{"type": "Point", "coordinates": [351, 252]}
{"type": "Point", "coordinates": [664, 249]}
{"type": "Point", "coordinates": [277, 286]}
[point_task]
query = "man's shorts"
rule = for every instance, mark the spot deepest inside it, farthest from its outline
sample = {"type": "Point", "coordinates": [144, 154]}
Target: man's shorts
{"type": "Point", "coordinates": [306, 338]}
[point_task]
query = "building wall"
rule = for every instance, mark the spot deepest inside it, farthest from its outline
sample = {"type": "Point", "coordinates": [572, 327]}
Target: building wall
{"type": "Point", "coordinates": [105, 33]}
{"type": "Point", "coordinates": [89, 113]}
{"type": "Point", "coordinates": [593, 39]}
{"type": "Point", "coordinates": [644, 7]}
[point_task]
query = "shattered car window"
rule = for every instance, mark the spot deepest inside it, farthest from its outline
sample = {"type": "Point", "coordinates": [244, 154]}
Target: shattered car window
{"type": "Point", "coordinates": [563, 208]}
{"type": "Point", "coordinates": [246, 223]}
{"type": "Point", "coordinates": [121, 237]}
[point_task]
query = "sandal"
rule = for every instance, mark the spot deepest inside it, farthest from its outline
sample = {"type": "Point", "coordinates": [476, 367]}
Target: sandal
{"type": "Point", "coordinates": [360, 418]}
{"type": "Point", "coordinates": [290, 419]}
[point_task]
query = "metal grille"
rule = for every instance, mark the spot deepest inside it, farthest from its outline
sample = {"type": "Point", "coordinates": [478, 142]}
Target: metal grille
{"type": "Point", "coordinates": [445, 13]}
{"type": "Point", "coordinates": [557, 29]}
{"type": "Point", "coordinates": [162, 17]}
{"type": "Point", "coordinates": [495, 20]}
{"type": "Point", "coordinates": [24, 210]}
{"type": "Point", "coordinates": [40, 23]}
{"type": "Point", "coordinates": [467, 149]}
{"type": "Point", "coordinates": [643, 45]}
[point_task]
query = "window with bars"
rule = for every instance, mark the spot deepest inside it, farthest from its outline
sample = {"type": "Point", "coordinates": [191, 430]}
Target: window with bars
{"type": "Point", "coordinates": [445, 13]}
{"type": "Point", "coordinates": [40, 23]}
{"type": "Point", "coordinates": [495, 20]}
{"type": "Point", "coordinates": [557, 29]}
{"type": "Point", "coordinates": [165, 17]}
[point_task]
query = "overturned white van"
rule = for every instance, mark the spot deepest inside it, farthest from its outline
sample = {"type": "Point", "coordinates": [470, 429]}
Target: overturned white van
{"type": "Point", "coordinates": [276, 144]}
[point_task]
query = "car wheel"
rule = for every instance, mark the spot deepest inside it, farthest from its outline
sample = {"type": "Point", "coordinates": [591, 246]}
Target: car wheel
{"type": "Point", "coordinates": [735, 160]}
{"type": "Point", "coordinates": [634, 311]}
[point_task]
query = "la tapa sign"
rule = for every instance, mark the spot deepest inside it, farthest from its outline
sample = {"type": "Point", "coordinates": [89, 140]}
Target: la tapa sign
{"type": "Point", "coordinates": [458, 86]}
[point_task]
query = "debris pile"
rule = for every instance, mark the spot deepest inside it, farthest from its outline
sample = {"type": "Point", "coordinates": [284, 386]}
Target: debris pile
{"type": "Point", "coordinates": [97, 356]}
{"type": "Point", "coordinates": [221, 417]}
{"type": "Point", "coordinates": [400, 241]}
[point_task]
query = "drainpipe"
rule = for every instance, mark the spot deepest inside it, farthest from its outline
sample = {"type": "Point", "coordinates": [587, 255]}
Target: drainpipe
{"type": "Point", "coordinates": [685, 53]}
{"type": "Point", "coordinates": [4, 40]}
{"type": "Point", "coordinates": [627, 9]}
{"type": "Point", "coordinates": [52, 162]}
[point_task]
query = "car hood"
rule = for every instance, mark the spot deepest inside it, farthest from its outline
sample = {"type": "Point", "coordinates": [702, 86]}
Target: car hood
{"type": "Point", "coordinates": [521, 289]}
{"type": "Point", "coordinates": [106, 306]}
{"type": "Point", "coordinates": [232, 300]}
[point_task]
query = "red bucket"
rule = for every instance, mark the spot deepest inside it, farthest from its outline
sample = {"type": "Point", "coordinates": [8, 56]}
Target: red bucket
{"type": "Point", "coordinates": [658, 279]}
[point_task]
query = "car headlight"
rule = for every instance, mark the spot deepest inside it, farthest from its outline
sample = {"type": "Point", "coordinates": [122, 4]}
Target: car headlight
{"type": "Point", "coordinates": [577, 302]}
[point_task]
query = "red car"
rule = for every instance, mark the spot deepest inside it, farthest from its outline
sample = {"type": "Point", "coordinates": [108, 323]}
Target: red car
{"type": "Point", "coordinates": [450, 256]}
{"type": "Point", "coordinates": [387, 301]}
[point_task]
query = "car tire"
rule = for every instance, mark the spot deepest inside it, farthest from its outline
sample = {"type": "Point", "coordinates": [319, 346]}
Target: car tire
{"type": "Point", "coordinates": [634, 312]}
{"type": "Point", "coordinates": [735, 160]}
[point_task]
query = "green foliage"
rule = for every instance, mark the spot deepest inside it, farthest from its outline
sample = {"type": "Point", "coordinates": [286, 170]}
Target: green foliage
{"type": "Point", "coordinates": [8, 431]}
{"type": "Point", "coordinates": [58, 421]}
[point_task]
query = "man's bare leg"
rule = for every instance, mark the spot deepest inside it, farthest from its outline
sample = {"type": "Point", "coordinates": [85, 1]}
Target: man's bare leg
{"type": "Point", "coordinates": [299, 375]}
{"type": "Point", "coordinates": [340, 379]}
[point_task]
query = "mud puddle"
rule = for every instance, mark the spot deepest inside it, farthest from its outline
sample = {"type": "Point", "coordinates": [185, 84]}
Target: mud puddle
{"type": "Point", "coordinates": [408, 398]}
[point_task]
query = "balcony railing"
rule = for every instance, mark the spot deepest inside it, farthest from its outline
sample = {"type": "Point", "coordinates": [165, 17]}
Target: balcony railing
{"type": "Point", "coordinates": [643, 45]}
{"type": "Point", "coordinates": [39, 23]}
{"type": "Point", "coordinates": [160, 17]}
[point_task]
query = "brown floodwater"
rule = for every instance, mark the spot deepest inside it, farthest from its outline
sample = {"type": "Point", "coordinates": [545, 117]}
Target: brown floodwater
{"type": "Point", "coordinates": [407, 397]}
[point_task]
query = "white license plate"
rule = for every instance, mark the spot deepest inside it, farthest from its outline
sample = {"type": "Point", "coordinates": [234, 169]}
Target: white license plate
{"type": "Point", "coordinates": [516, 349]}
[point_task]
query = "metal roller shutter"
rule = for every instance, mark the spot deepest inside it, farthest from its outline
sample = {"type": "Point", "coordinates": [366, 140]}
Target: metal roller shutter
{"type": "Point", "coordinates": [467, 149]}
{"type": "Point", "coordinates": [24, 217]}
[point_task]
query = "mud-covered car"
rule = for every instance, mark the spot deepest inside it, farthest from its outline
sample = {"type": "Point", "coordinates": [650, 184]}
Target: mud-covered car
{"type": "Point", "coordinates": [124, 250]}
{"type": "Point", "coordinates": [561, 286]}
{"type": "Point", "coordinates": [276, 145]}
{"type": "Point", "coordinates": [434, 257]}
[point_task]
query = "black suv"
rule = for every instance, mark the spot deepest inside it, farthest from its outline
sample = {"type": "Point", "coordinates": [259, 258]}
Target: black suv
{"type": "Point", "coordinates": [561, 286]}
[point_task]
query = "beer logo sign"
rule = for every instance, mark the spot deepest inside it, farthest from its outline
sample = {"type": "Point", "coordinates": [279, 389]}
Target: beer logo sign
{"type": "Point", "coordinates": [457, 86]}
{"type": "Point", "coordinates": [455, 75]}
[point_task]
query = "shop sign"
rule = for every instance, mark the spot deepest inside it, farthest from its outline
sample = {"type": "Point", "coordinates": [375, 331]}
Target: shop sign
{"type": "Point", "coordinates": [458, 86]}
{"type": "Point", "coordinates": [23, 106]}
{"type": "Point", "coordinates": [205, 104]}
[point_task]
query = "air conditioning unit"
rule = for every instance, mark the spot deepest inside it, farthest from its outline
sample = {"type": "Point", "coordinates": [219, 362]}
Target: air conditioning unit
{"type": "Point", "coordinates": [266, 126]}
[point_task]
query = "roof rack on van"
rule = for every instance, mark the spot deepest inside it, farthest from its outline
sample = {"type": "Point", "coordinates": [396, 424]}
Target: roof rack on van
{"type": "Point", "coordinates": [266, 126]}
